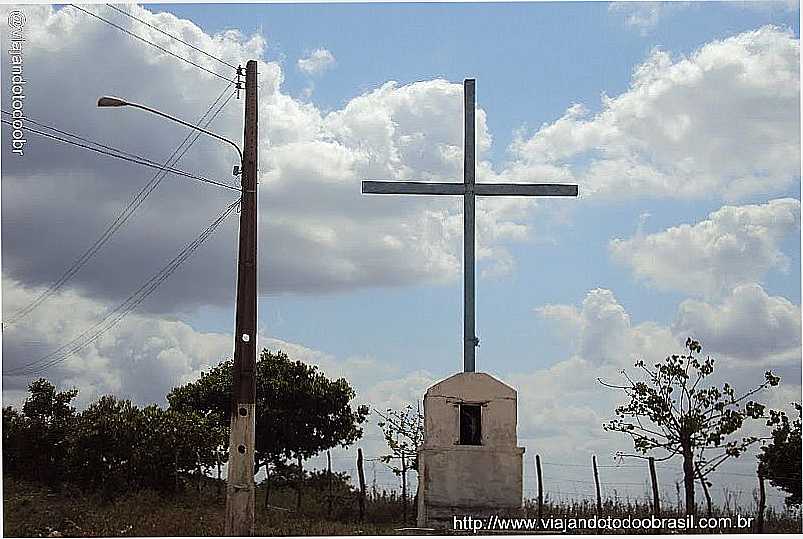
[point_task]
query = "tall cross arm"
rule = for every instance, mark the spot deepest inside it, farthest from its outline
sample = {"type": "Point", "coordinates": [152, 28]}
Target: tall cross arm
{"type": "Point", "coordinates": [526, 189]}
{"type": "Point", "coordinates": [411, 188]}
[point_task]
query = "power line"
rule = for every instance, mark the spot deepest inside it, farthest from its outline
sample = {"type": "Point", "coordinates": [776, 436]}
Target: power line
{"type": "Point", "coordinates": [118, 313]}
{"type": "Point", "coordinates": [127, 306]}
{"type": "Point", "coordinates": [125, 156]}
{"type": "Point", "coordinates": [132, 34]}
{"type": "Point", "coordinates": [121, 218]}
{"type": "Point", "coordinates": [146, 23]}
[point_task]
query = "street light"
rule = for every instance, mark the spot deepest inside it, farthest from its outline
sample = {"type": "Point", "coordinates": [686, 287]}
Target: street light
{"type": "Point", "coordinates": [111, 101]}
{"type": "Point", "coordinates": [240, 489]}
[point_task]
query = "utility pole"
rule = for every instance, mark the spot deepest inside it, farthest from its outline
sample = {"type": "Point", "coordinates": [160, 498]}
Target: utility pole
{"type": "Point", "coordinates": [240, 484]}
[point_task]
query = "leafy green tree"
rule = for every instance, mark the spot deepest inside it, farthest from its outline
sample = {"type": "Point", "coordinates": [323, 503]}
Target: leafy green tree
{"type": "Point", "coordinates": [780, 461]}
{"type": "Point", "coordinates": [404, 432]}
{"type": "Point", "coordinates": [105, 441]}
{"type": "Point", "coordinates": [670, 412]}
{"type": "Point", "coordinates": [300, 412]}
{"type": "Point", "coordinates": [13, 433]}
{"type": "Point", "coordinates": [42, 429]}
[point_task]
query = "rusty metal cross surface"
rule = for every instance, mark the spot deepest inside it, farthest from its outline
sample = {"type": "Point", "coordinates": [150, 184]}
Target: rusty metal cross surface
{"type": "Point", "coordinates": [469, 189]}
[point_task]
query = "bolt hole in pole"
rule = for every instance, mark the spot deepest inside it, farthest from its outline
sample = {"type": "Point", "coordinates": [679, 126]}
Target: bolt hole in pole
{"type": "Point", "coordinates": [241, 449]}
{"type": "Point", "coordinates": [243, 411]}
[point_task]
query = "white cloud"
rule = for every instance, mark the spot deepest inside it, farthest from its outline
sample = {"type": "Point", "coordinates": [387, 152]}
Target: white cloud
{"type": "Point", "coordinates": [317, 62]}
{"type": "Point", "coordinates": [145, 356]}
{"type": "Point", "coordinates": [141, 358]}
{"type": "Point", "coordinates": [600, 332]}
{"type": "Point", "coordinates": [723, 121]}
{"type": "Point", "coordinates": [748, 324]}
{"type": "Point", "coordinates": [735, 245]}
{"type": "Point", "coordinates": [562, 407]}
{"type": "Point", "coordinates": [643, 16]}
{"type": "Point", "coordinates": [311, 164]}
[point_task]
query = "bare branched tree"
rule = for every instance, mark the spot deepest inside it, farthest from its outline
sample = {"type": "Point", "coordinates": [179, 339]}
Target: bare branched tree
{"type": "Point", "coordinates": [404, 432]}
{"type": "Point", "coordinates": [669, 411]}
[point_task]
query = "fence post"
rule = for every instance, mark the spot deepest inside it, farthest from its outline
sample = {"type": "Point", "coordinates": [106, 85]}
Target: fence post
{"type": "Point", "coordinates": [361, 474]}
{"type": "Point", "coordinates": [596, 483]}
{"type": "Point", "coordinates": [656, 501]}
{"type": "Point", "coordinates": [329, 476]}
{"type": "Point", "coordinates": [762, 501]}
{"type": "Point", "coordinates": [404, 488]}
{"type": "Point", "coordinates": [300, 483]}
{"type": "Point", "coordinates": [540, 486]}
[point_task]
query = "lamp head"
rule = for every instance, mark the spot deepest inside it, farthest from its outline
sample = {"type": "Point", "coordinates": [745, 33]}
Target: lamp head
{"type": "Point", "coordinates": [110, 101]}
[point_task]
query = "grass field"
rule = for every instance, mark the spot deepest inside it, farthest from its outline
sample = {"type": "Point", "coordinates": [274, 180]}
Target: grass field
{"type": "Point", "coordinates": [33, 510]}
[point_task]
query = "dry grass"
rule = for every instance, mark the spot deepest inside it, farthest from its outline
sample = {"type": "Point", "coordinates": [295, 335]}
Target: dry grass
{"type": "Point", "coordinates": [32, 510]}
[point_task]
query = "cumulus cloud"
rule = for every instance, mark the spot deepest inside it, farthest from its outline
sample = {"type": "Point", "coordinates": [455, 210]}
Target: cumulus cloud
{"type": "Point", "coordinates": [562, 407]}
{"type": "Point", "coordinates": [317, 62]}
{"type": "Point", "coordinates": [147, 355]}
{"type": "Point", "coordinates": [748, 324]}
{"type": "Point", "coordinates": [140, 359]}
{"type": "Point", "coordinates": [723, 122]}
{"type": "Point", "coordinates": [601, 332]}
{"type": "Point", "coordinates": [735, 245]}
{"type": "Point", "coordinates": [58, 199]}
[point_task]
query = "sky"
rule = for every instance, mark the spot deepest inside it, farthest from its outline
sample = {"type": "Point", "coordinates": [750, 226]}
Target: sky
{"type": "Point", "coordinates": [680, 122]}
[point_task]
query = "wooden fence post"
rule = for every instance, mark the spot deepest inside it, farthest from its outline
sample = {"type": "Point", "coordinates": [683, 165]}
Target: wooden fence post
{"type": "Point", "coordinates": [762, 501]}
{"type": "Point", "coordinates": [596, 483]}
{"type": "Point", "coordinates": [219, 482]}
{"type": "Point", "coordinates": [540, 487]}
{"type": "Point", "coordinates": [361, 474]}
{"type": "Point", "coordinates": [656, 501]}
{"type": "Point", "coordinates": [404, 488]}
{"type": "Point", "coordinates": [329, 476]}
{"type": "Point", "coordinates": [300, 483]}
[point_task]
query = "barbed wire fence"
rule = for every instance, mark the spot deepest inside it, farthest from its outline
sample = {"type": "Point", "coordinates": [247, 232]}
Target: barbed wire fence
{"type": "Point", "coordinates": [562, 484]}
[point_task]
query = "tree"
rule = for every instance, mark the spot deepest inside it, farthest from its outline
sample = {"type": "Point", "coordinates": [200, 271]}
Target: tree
{"type": "Point", "coordinates": [104, 443]}
{"type": "Point", "coordinates": [299, 411]}
{"type": "Point", "coordinates": [780, 461]}
{"type": "Point", "coordinates": [42, 428]}
{"type": "Point", "coordinates": [111, 445]}
{"type": "Point", "coordinates": [404, 432]}
{"type": "Point", "coordinates": [669, 411]}
{"type": "Point", "coordinates": [13, 432]}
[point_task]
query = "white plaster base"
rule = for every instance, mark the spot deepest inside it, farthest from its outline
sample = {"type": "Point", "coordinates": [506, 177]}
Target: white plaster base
{"type": "Point", "coordinates": [464, 480]}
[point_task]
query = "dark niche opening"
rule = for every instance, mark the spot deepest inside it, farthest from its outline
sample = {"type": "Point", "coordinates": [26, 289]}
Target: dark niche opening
{"type": "Point", "coordinates": [470, 424]}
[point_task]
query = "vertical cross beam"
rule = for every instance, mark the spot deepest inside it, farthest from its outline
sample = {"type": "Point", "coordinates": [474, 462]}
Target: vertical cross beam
{"type": "Point", "coordinates": [470, 340]}
{"type": "Point", "coordinates": [469, 189]}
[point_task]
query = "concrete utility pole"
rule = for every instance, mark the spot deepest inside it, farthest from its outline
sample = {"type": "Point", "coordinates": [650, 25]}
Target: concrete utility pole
{"type": "Point", "coordinates": [240, 485]}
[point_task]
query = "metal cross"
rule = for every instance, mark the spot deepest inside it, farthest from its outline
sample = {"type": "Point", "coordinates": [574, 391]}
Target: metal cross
{"type": "Point", "coordinates": [468, 189]}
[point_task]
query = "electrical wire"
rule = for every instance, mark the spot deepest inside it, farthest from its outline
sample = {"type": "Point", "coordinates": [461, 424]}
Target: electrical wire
{"type": "Point", "coordinates": [132, 34]}
{"type": "Point", "coordinates": [126, 157]}
{"type": "Point", "coordinates": [123, 216]}
{"type": "Point", "coordinates": [146, 23]}
{"type": "Point", "coordinates": [114, 316]}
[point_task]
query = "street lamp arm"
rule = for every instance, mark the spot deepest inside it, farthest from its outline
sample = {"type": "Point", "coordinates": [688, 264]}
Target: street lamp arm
{"type": "Point", "coordinates": [117, 102]}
